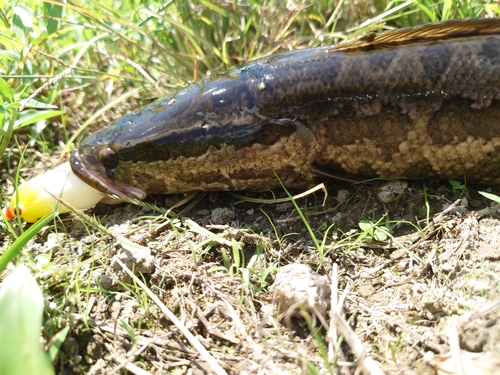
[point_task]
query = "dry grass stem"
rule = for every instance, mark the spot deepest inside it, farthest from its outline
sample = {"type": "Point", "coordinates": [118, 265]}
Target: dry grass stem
{"type": "Point", "coordinates": [214, 366]}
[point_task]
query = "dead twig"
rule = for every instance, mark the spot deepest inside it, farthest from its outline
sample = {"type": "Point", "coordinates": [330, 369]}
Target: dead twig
{"type": "Point", "coordinates": [125, 362]}
{"type": "Point", "coordinates": [338, 323]}
{"type": "Point", "coordinates": [214, 365]}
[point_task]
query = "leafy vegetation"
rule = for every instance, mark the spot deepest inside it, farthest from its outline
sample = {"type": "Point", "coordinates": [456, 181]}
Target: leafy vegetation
{"type": "Point", "coordinates": [21, 309]}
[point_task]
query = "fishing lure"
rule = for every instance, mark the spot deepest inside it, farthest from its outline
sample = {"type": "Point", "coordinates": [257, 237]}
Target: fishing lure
{"type": "Point", "coordinates": [36, 197]}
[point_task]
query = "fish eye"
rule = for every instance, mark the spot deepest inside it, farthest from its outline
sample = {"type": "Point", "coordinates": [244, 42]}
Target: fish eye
{"type": "Point", "coordinates": [108, 157]}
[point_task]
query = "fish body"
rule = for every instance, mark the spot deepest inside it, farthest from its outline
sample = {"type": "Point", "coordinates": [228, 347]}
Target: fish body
{"type": "Point", "coordinates": [413, 103]}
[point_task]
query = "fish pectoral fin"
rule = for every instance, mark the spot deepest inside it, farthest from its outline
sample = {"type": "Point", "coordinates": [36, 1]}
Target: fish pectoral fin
{"type": "Point", "coordinates": [271, 131]}
{"type": "Point", "coordinates": [340, 177]}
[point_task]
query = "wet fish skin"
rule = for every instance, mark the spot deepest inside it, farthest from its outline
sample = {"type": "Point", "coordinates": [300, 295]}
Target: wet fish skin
{"type": "Point", "coordinates": [411, 104]}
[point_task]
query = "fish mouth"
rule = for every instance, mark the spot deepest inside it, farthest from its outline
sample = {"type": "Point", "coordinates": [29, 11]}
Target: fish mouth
{"type": "Point", "coordinates": [101, 183]}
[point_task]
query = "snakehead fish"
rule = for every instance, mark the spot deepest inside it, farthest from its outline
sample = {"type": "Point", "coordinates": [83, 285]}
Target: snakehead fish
{"type": "Point", "coordinates": [413, 103]}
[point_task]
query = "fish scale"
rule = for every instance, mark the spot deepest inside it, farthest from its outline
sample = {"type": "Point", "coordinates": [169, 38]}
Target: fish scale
{"type": "Point", "coordinates": [412, 103]}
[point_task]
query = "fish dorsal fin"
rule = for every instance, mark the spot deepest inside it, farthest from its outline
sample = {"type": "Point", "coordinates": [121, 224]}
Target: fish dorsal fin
{"type": "Point", "coordinates": [433, 32]}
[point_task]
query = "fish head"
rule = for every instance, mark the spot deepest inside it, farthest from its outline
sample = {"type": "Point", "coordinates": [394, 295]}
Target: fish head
{"type": "Point", "coordinates": [195, 139]}
{"type": "Point", "coordinates": [99, 160]}
{"type": "Point", "coordinates": [120, 159]}
{"type": "Point", "coordinates": [97, 166]}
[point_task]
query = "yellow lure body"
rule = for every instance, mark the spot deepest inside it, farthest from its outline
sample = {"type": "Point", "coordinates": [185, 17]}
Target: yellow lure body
{"type": "Point", "coordinates": [35, 198]}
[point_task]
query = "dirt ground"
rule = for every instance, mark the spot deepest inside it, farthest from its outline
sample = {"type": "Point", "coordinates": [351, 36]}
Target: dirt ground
{"type": "Point", "coordinates": [415, 294]}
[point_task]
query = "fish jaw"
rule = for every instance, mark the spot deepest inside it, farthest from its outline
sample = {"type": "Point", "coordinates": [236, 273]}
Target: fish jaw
{"type": "Point", "coordinates": [87, 166]}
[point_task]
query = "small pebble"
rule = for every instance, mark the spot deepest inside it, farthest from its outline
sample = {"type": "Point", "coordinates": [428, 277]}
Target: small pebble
{"type": "Point", "coordinates": [401, 266]}
{"type": "Point", "coordinates": [464, 202]}
{"type": "Point", "coordinates": [391, 191]}
{"type": "Point", "coordinates": [475, 203]}
{"type": "Point", "coordinates": [342, 195]}
{"type": "Point", "coordinates": [297, 285]}
{"type": "Point", "coordinates": [221, 216]}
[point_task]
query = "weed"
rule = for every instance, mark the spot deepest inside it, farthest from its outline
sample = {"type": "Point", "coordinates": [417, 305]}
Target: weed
{"type": "Point", "coordinates": [458, 186]}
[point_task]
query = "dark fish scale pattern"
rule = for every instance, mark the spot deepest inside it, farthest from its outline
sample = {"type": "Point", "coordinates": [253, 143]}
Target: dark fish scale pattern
{"type": "Point", "coordinates": [412, 103]}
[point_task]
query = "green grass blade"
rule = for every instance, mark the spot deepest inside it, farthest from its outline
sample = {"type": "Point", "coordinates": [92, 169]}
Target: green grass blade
{"type": "Point", "coordinates": [30, 116]}
{"type": "Point", "coordinates": [493, 197]}
{"type": "Point", "coordinates": [18, 245]}
{"type": "Point", "coordinates": [302, 217]}
{"type": "Point", "coordinates": [58, 340]}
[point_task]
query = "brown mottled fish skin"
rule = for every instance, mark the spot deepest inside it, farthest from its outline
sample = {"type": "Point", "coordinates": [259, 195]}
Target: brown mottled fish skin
{"type": "Point", "coordinates": [413, 103]}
